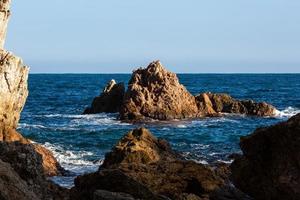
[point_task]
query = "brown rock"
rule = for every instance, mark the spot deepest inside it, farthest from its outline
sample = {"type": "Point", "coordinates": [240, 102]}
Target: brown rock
{"type": "Point", "coordinates": [156, 93]}
{"type": "Point", "coordinates": [139, 146]}
{"type": "Point", "coordinates": [210, 104]}
{"type": "Point", "coordinates": [270, 165]}
{"type": "Point", "coordinates": [12, 187]}
{"type": "Point", "coordinates": [110, 99]}
{"type": "Point", "coordinates": [13, 91]}
{"type": "Point", "coordinates": [28, 164]}
{"type": "Point", "coordinates": [151, 162]}
{"type": "Point", "coordinates": [4, 17]}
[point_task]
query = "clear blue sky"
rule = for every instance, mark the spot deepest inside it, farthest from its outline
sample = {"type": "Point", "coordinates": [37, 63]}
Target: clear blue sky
{"type": "Point", "coordinates": [194, 36]}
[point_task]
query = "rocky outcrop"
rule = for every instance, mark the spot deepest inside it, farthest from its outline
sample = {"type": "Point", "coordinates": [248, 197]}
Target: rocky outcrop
{"type": "Point", "coordinates": [13, 92]}
{"type": "Point", "coordinates": [139, 146]}
{"type": "Point", "coordinates": [142, 158]}
{"type": "Point", "coordinates": [109, 101]}
{"type": "Point", "coordinates": [28, 164]}
{"type": "Point", "coordinates": [12, 186]}
{"type": "Point", "coordinates": [270, 165]}
{"type": "Point", "coordinates": [156, 93]}
{"type": "Point", "coordinates": [223, 103]}
{"type": "Point", "coordinates": [4, 17]}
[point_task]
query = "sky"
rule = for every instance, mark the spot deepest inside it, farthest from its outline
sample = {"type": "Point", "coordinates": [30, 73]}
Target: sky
{"type": "Point", "coordinates": [193, 36]}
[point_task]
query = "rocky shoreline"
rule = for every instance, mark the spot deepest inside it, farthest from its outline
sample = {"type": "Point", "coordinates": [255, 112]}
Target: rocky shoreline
{"type": "Point", "coordinates": [141, 166]}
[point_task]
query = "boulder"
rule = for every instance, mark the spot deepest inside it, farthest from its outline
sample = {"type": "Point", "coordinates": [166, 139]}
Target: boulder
{"type": "Point", "coordinates": [211, 104]}
{"type": "Point", "coordinates": [270, 165]}
{"type": "Point", "coordinates": [12, 186]}
{"type": "Point", "coordinates": [28, 164]}
{"type": "Point", "coordinates": [139, 146]}
{"type": "Point", "coordinates": [141, 157]}
{"type": "Point", "coordinates": [156, 93]}
{"type": "Point", "coordinates": [109, 101]}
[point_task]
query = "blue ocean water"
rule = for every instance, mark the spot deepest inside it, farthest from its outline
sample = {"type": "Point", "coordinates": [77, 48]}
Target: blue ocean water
{"type": "Point", "coordinates": [52, 117]}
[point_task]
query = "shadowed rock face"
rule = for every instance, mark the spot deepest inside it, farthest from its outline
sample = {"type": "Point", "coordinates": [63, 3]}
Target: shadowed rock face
{"type": "Point", "coordinates": [110, 99]}
{"type": "Point", "coordinates": [156, 93]}
{"type": "Point", "coordinates": [270, 165]}
{"type": "Point", "coordinates": [150, 162]}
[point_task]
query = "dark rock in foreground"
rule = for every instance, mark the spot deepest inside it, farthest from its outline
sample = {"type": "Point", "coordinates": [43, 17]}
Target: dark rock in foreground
{"type": "Point", "coordinates": [110, 99]}
{"type": "Point", "coordinates": [270, 165]}
{"type": "Point", "coordinates": [143, 162]}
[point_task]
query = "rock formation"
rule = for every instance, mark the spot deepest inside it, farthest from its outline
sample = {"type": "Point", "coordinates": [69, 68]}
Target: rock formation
{"type": "Point", "coordinates": [109, 101]}
{"type": "Point", "coordinates": [141, 158]}
{"type": "Point", "coordinates": [156, 93]}
{"type": "Point", "coordinates": [23, 164]}
{"type": "Point", "coordinates": [270, 165]}
{"type": "Point", "coordinates": [210, 104]}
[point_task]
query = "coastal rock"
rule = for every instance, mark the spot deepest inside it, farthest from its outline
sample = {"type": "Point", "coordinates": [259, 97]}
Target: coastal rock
{"type": "Point", "coordinates": [28, 164]}
{"type": "Point", "coordinates": [109, 101]}
{"type": "Point", "coordinates": [139, 146]}
{"type": "Point", "coordinates": [156, 93]}
{"type": "Point", "coordinates": [270, 165]}
{"type": "Point", "coordinates": [4, 17]}
{"type": "Point", "coordinates": [13, 91]}
{"type": "Point", "coordinates": [210, 104]}
{"type": "Point", "coordinates": [12, 187]}
{"type": "Point", "coordinates": [150, 162]}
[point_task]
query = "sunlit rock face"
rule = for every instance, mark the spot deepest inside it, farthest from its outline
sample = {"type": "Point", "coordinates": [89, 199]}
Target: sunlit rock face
{"type": "Point", "coordinates": [155, 93]}
{"type": "Point", "coordinates": [4, 17]}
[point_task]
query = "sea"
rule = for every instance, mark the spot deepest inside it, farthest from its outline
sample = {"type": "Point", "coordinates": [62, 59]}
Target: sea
{"type": "Point", "coordinates": [53, 117]}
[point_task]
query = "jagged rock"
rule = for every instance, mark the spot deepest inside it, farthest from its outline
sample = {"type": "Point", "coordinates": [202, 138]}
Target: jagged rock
{"type": "Point", "coordinates": [270, 165]}
{"type": "Point", "coordinates": [13, 91]}
{"type": "Point", "coordinates": [110, 99]}
{"type": "Point", "coordinates": [210, 104]}
{"type": "Point", "coordinates": [4, 17]}
{"type": "Point", "coordinates": [12, 187]}
{"type": "Point", "coordinates": [139, 146]}
{"type": "Point", "coordinates": [151, 162]}
{"type": "Point", "coordinates": [156, 93]}
{"type": "Point", "coordinates": [28, 164]}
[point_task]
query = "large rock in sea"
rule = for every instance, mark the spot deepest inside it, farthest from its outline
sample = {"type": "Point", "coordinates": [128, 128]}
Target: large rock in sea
{"type": "Point", "coordinates": [270, 165]}
{"type": "Point", "coordinates": [141, 159]}
{"type": "Point", "coordinates": [109, 101]}
{"type": "Point", "coordinates": [156, 93]}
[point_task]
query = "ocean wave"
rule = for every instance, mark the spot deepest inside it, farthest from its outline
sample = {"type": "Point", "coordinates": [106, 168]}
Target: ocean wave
{"type": "Point", "coordinates": [25, 125]}
{"type": "Point", "coordinates": [74, 161]}
{"type": "Point", "coordinates": [287, 112]}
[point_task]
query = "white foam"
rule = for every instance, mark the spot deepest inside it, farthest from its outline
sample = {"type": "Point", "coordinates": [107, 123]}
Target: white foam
{"type": "Point", "coordinates": [73, 161]}
{"type": "Point", "coordinates": [287, 112]}
{"type": "Point", "coordinates": [24, 125]}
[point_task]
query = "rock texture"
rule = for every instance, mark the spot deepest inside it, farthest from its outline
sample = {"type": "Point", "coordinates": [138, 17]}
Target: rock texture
{"type": "Point", "coordinates": [4, 17]}
{"type": "Point", "coordinates": [149, 162]}
{"type": "Point", "coordinates": [156, 93]}
{"type": "Point", "coordinates": [270, 165]}
{"type": "Point", "coordinates": [224, 103]}
{"type": "Point", "coordinates": [28, 164]}
{"type": "Point", "coordinates": [109, 101]}
{"type": "Point", "coordinates": [12, 187]}
{"type": "Point", "coordinates": [13, 91]}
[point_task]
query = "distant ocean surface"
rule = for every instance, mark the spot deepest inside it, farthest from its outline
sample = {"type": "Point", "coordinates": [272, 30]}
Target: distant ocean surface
{"type": "Point", "coordinates": [52, 117]}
